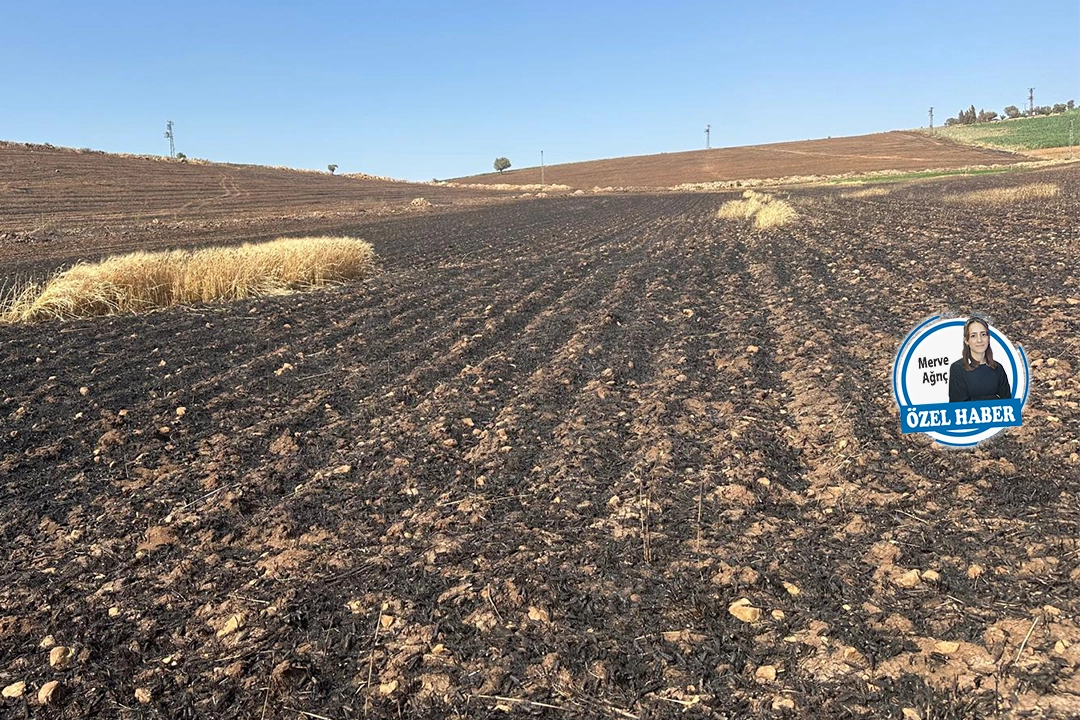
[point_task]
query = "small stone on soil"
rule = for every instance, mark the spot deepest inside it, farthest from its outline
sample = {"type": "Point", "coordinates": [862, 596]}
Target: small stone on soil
{"type": "Point", "coordinates": [909, 579]}
{"type": "Point", "coordinates": [60, 657]}
{"type": "Point", "coordinates": [231, 625]}
{"type": "Point", "coordinates": [49, 692]}
{"type": "Point", "coordinates": [765, 673]}
{"type": "Point", "coordinates": [14, 690]}
{"type": "Point", "coordinates": [538, 614]}
{"type": "Point", "coordinates": [743, 610]}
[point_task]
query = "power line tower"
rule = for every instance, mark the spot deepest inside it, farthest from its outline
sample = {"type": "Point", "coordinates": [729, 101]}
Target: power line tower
{"type": "Point", "coordinates": [169, 135]}
{"type": "Point", "coordinates": [707, 129]}
{"type": "Point", "coordinates": [1031, 101]}
{"type": "Point", "coordinates": [931, 118]}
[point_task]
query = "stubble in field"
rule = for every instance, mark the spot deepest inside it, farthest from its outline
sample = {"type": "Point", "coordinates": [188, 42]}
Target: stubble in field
{"type": "Point", "coordinates": [1007, 195]}
{"type": "Point", "coordinates": [766, 210]}
{"type": "Point", "coordinates": [144, 281]}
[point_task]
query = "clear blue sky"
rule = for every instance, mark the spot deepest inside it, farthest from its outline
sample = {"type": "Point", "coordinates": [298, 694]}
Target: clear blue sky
{"type": "Point", "coordinates": [422, 90]}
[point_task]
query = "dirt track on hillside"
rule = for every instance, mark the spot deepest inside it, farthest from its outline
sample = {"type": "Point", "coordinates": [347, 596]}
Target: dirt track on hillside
{"type": "Point", "coordinates": [531, 464]}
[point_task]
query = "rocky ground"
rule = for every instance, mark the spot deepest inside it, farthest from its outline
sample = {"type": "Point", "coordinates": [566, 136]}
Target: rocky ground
{"type": "Point", "coordinates": [604, 457]}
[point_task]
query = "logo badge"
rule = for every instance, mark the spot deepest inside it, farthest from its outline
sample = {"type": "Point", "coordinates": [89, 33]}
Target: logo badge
{"type": "Point", "coordinates": [921, 380]}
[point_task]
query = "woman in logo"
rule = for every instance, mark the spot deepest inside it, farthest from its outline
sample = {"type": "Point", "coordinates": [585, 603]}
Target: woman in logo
{"type": "Point", "coordinates": [975, 376]}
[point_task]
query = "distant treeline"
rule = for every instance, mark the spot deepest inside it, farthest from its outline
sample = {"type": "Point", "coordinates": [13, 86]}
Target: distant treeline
{"type": "Point", "coordinates": [970, 117]}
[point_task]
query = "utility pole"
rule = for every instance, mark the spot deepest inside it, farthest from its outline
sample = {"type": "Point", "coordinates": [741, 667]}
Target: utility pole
{"type": "Point", "coordinates": [169, 134]}
{"type": "Point", "coordinates": [931, 118]}
{"type": "Point", "coordinates": [707, 128]}
{"type": "Point", "coordinates": [541, 169]}
{"type": "Point", "coordinates": [1031, 101]}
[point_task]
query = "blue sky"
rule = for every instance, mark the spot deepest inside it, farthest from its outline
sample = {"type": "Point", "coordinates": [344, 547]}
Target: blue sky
{"type": "Point", "coordinates": [422, 90]}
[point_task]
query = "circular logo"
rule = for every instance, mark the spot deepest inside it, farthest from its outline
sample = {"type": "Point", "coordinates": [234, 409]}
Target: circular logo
{"type": "Point", "coordinates": [943, 392]}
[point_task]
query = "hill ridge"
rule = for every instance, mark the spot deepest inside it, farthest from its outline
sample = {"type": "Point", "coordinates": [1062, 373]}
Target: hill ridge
{"type": "Point", "coordinates": [894, 150]}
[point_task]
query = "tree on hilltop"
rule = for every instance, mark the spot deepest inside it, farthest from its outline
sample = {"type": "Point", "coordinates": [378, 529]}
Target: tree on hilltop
{"type": "Point", "coordinates": [332, 168]}
{"type": "Point", "coordinates": [1012, 112]}
{"type": "Point", "coordinates": [501, 164]}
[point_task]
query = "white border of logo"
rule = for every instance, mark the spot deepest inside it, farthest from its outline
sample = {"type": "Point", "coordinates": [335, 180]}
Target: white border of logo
{"type": "Point", "coordinates": [1015, 363]}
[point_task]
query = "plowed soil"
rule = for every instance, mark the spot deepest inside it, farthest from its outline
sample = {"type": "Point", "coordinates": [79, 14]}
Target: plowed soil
{"type": "Point", "coordinates": [60, 202]}
{"type": "Point", "coordinates": [586, 457]}
{"type": "Point", "coordinates": [906, 151]}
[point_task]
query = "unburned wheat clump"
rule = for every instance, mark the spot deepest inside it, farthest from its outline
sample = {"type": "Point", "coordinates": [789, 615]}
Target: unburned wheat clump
{"type": "Point", "coordinates": [866, 192]}
{"type": "Point", "coordinates": [1007, 196]}
{"type": "Point", "coordinates": [143, 281]}
{"type": "Point", "coordinates": [766, 210]}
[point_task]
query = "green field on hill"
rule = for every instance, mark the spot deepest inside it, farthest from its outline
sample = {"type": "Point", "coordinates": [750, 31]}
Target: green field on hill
{"type": "Point", "coordinates": [1048, 131]}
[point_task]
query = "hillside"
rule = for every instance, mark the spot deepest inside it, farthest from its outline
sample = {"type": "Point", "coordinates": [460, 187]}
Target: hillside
{"type": "Point", "coordinates": [1045, 136]}
{"type": "Point", "coordinates": [55, 200]}
{"type": "Point", "coordinates": [832, 156]}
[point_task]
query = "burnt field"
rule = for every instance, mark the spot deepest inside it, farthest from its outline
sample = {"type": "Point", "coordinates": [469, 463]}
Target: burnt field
{"type": "Point", "coordinates": [601, 457]}
{"type": "Point", "coordinates": [59, 203]}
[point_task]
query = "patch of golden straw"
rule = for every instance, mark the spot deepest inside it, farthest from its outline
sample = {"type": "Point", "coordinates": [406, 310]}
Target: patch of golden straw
{"type": "Point", "coordinates": [1008, 195]}
{"type": "Point", "coordinates": [866, 192]}
{"type": "Point", "coordinates": [766, 210]}
{"type": "Point", "coordinates": [143, 281]}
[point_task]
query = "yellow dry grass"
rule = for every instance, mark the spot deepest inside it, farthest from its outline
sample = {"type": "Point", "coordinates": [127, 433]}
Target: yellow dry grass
{"type": "Point", "coordinates": [766, 210]}
{"type": "Point", "coordinates": [866, 193]}
{"type": "Point", "coordinates": [143, 281]}
{"type": "Point", "coordinates": [1007, 196]}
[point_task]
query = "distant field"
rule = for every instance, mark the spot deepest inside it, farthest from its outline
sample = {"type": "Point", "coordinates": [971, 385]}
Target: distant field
{"type": "Point", "coordinates": [903, 151]}
{"type": "Point", "coordinates": [1035, 133]}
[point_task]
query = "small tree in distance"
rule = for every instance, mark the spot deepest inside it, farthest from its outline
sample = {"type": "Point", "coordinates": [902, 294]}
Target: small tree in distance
{"type": "Point", "coordinates": [332, 168]}
{"type": "Point", "coordinates": [501, 164]}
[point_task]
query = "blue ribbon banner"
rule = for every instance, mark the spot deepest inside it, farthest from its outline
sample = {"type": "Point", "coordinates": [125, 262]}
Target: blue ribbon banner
{"type": "Point", "coordinates": [963, 417]}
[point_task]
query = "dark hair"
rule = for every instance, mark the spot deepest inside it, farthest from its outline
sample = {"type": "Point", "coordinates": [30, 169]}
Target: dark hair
{"type": "Point", "coordinates": [989, 356]}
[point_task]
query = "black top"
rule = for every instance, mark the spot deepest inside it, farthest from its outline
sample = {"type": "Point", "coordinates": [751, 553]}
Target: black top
{"type": "Point", "coordinates": [981, 383]}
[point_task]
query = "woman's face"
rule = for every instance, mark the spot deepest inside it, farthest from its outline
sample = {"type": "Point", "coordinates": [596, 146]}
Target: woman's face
{"type": "Point", "coordinates": [978, 338]}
